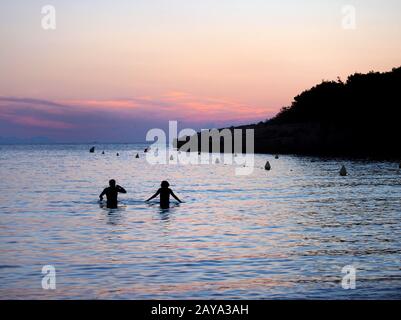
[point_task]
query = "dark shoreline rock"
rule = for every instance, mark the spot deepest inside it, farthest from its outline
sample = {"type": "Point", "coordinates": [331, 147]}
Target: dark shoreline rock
{"type": "Point", "coordinates": [343, 171]}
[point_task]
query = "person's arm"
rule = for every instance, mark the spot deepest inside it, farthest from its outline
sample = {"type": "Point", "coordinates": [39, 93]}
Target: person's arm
{"type": "Point", "coordinates": [154, 196]}
{"type": "Point", "coordinates": [175, 197]}
{"type": "Point", "coordinates": [121, 189]}
{"type": "Point", "coordinates": [102, 194]}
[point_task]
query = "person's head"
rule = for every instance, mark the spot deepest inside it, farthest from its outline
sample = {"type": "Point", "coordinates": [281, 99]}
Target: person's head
{"type": "Point", "coordinates": [112, 183]}
{"type": "Point", "coordinates": [165, 184]}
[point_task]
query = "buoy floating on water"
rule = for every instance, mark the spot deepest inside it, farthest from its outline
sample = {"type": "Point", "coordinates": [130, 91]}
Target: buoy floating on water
{"type": "Point", "coordinates": [118, 154]}
{"type": "Point", "coordinates": [137, 156]}
{"type": "Point", "coordinates": [267, 166]}
{"type": "Point", "coordinates": [276, 156]}
{"type": "Point", "coordinates": [102, 152]}
{"type": "Point", "coordinates": [343, 171]}
{"type": "Point", "coordinates": [92, 150]}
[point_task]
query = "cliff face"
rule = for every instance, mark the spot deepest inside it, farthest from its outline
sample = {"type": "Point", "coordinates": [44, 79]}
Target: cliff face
{"type": "Point", "coordinates": [323, 139]}
{"type": "Point", "coordinates": [358, 117]}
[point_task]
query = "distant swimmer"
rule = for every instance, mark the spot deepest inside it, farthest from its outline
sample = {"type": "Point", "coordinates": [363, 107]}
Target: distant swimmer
{"type": "Point", "coordinates": [164, 193]}
{"type": "Point", "coordinates": [112, 193]}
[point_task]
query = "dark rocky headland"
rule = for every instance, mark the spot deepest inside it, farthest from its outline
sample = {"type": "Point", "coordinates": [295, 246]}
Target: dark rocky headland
{"type": "Point", "coordinates": [359, 117]}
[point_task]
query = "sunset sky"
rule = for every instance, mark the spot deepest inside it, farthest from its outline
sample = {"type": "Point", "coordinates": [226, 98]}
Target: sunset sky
{"type": "Point", "coordinates": [113, 69]}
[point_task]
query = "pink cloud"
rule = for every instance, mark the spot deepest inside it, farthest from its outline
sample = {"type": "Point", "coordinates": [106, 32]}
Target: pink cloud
{"type": "Point", "coordinates": [117, 119]}
{"type": "Point", "coordinates": [43, 123]}
{"type": "Point", "coordinates": [177, 105]}
{"type": "Point", "coordinates": [103, 104]}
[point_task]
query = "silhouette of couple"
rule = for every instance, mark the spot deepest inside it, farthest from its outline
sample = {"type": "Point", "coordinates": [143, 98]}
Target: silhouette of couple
{"type": "Point", "coordinates": [113, 190]}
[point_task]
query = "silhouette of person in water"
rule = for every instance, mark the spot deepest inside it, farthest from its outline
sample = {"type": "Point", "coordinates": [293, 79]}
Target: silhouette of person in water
{"type": "Point", "coordinates": [164, 193]}
{"type": "Point", "coordinates": [112, 193]}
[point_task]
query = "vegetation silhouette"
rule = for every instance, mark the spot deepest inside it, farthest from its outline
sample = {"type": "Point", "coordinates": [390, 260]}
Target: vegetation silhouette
{"type": "Point", "coordinates": [358, 117]}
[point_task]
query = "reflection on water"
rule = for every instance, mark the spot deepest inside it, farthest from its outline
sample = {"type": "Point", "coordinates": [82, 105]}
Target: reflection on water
{"type": "Point", "coordinates": [286, 233]}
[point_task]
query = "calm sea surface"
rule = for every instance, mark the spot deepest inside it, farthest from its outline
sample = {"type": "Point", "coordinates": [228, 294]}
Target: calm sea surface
{"type": "Point", "coordinates": [286, 233]}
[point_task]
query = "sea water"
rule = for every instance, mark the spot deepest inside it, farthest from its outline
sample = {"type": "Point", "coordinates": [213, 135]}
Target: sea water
{"type": "Point", "coordinates": [278, 234]}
